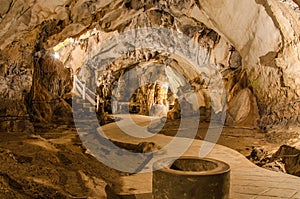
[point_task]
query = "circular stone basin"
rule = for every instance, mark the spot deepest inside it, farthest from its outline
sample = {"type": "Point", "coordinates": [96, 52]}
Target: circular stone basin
{"type": "Point", "coordinates": [195, 165]}
{"type": "Point", "coordinates": [190, 177]}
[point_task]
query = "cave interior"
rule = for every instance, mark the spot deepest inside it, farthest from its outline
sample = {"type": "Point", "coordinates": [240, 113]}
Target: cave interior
{"type": "Point", "coordinates": [67, 68]}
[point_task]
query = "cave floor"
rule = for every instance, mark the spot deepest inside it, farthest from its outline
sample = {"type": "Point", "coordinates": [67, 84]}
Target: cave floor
{"type": "Point", "coordinates": [53, 163]}
{"type": "Point", "coordinates": [247, 179]}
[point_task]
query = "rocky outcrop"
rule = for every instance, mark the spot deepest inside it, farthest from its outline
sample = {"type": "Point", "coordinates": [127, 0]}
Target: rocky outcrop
{"type": "Point", "coordinates": [16, 74]}
{"type": "Point", "coordinates": [242, 110]}
{"type": "Point", "coordinates": [267, 36]}
{"type": "Point", "coordinates": [52, 86]}
{"type": "Point", "coordinates": [290, 156]}
{"type": "Point", "coordinates": [286, 159]}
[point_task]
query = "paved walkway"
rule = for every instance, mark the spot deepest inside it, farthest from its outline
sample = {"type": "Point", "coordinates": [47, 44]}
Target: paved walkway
{"type": "Point", "coordinates": [247, 180]}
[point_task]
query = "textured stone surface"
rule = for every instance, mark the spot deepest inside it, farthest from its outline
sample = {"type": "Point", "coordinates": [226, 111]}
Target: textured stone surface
{"type": "Point", "coordinates": [52, 85]}
{"type": "Point", "coordinates": [242, 110]}
{"type": "Point", "coordinates": [192, 178]}
{"type": "Point", "coordinates": [264, 34]}
{"type": "Point", "coordinates": [291, 157]}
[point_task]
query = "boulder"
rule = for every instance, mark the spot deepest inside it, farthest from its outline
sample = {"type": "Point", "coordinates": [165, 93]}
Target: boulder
{"type": "Point", "coordinates": [243, 110]}
{"type": "Point", "coordinates": [158, 110]}
{"type": "Point", "coordinates": [290, 155]}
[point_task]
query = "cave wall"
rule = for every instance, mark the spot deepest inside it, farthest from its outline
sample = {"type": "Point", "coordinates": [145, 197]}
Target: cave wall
{"type": "Point", "coordinates": [264, 32]}
{"type": "Point", "coordinates": [16, 76]}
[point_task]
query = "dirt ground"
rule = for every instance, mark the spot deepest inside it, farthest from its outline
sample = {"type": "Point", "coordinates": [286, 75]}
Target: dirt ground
{"type": "Point", "coordinates": [53, 163]}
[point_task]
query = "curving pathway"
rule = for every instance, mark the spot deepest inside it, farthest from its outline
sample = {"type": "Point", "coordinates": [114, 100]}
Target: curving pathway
{"type": "Point", "coordinates": [247, 180]}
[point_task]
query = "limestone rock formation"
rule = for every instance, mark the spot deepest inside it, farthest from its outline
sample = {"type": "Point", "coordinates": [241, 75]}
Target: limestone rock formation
{"type": "Point", "coordinates": [291, 157]}
{"type": "Point", "coordinates": [269, 48]}
{"type": "Point", "coordinates": [242, 110]}
{"type": "Point", "coordinates": [52, 86]}
{"type": "Point", "coordinates": [260, 38]}
{"type": "Point", "coordinates": [286, 159]}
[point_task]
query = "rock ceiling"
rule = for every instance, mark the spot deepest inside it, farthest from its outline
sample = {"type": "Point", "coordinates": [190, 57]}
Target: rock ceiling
{"type": "Point", "coordinates": [262, 35]}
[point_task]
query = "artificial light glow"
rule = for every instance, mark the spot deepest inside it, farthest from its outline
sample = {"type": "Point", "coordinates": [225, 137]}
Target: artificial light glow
{"type": "Point", "coordinates": [56, 55]}
{"type": "Point", "coordinates": [166, 86]}
{"type": "Point", "coordinates": [68, 41]}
